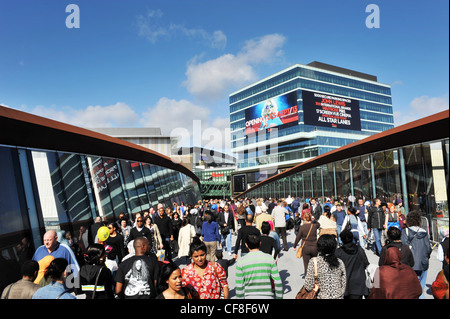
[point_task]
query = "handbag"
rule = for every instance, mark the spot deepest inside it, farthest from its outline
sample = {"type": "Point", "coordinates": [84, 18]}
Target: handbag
{"type": "Point", "coordinates": [300, 249]}
{"type": "Point", "coordinates": [225, 230]}
{"type": "Point", "coordinates": [305, 294]}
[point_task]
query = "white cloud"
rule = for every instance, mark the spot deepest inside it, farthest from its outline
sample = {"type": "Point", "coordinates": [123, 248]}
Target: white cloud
{"type": "Point", "coordinates": [170, 114]}
{"type": "Point", "coordinates": [150, 27]}
{"type": "Point", "coordinates": [421, 107]}
{"type": "Point", "coordinates": [116, 115]}
{"type": "Point", "coordinates": [211, 80]}
{"type": "Point", "coordinates": [189, 123]}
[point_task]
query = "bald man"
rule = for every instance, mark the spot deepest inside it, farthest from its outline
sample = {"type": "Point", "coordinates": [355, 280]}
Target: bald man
{"type": "Point", "coordinates": [52, 247]}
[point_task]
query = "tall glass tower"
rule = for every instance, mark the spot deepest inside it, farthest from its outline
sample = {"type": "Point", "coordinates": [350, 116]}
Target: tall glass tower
{"type": "Point", "coordinates": [300, 113]}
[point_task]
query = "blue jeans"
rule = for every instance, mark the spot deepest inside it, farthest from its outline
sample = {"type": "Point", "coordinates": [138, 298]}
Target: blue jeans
{"type": "Point", "coordinates": [226, 240]}
{"type": "Point", "coordinates": [423, 280]}
{"type": "Point", "coordinates": [362, 240]}
{"type": "Point", "coordinates": [338, 230]}
{"type": "Point", "coordinates": [377, 236]}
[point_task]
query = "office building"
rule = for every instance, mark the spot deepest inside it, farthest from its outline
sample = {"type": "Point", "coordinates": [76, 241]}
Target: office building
{"type": "Point", "coordinates": [302, 112]}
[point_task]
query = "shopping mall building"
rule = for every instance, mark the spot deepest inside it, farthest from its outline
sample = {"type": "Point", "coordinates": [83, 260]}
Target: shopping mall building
{"type": "Point", "coordinates": [57, 176]}
{"type": "Point", "coordinates": [322, 131]}
{"type": "Point", "coordinates": [302, 112]}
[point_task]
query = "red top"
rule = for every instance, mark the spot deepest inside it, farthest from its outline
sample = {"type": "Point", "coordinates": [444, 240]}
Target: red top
{"type": "Point", "coordinates": [207, 286]}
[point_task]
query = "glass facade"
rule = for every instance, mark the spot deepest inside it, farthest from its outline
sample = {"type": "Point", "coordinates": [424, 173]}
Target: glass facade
{"type": "Point", "coordinates": [215, 183]}
{"type": "Point", "coordinates": [297, 143]}
{"type": "Point", "coordinates": [43, 190]}
{"type": "Point", "coordinates": [416, 174]}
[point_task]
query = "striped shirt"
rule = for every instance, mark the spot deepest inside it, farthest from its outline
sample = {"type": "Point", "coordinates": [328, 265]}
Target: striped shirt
{"type": "Point", "coordinates": [254, 272]}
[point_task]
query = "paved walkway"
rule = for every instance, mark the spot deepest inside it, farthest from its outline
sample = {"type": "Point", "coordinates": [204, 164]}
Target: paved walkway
{"type": "Point", "coordinates": [291, 269]}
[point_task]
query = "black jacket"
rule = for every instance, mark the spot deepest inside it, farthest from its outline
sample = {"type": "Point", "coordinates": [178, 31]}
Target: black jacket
{"type": "Point", "coordinates": [375, 218]}
{"type": "Point", "coordinates": [164, 225]}
{"type": "Point", "coordinates": [88, 275]}
{"type": "Point", "coordinates": [355, 261]}
{"type": "Point", "coordinates": [230, 222]}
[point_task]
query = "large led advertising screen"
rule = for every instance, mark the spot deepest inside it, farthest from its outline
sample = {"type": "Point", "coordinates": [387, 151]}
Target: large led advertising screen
{"type": "Point", "coordinates": [321, 109]}
{"type": "Point", "coordinates": [271, 113]}
{"type": "Point", "coordinates": [239, 183]}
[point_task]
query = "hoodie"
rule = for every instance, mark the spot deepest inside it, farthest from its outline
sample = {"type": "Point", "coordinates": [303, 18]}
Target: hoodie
{"type": "Point", "coordinates": [88, 275]}
{"type": "Point", "coordinates": [418, 241]}
{"type": "Point", "coordinates": [355, 261]}
{"type": "Point", "coordinates": [395, 280]}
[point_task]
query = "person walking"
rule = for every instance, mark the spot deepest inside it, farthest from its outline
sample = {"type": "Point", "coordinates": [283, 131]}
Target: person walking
{"type": "Point", "coordinates": [25, 287]}
{"type": "Point", "coordinates": [154, 238]}
{"type": "Point", "coordinates": [375, 223]}
{"type": "Point", "coordinates": [170, 285]}
{"type": "Point", "coordinates": [95, 278]}
{"type": "Point", "coordinates": [331, 273]}
{"type": "Point", "coordinates": [356, 262]}
{"type": "Point", "coordinates": [394, 240]}
{"type": "Point", "coordinates": [279, 219]}
{"type": "Point", "coordinates": [339, 216]}
{"type": "Point", "coordinates": [139, 230]}
{"type": "Point", "coordinates": [53, 248]}
{"type": "Point", "coordinates": [185, 237]}
{"type": "Point", "coordinates": [327, 223]}
{"type": "Point", "coordinates": [419, 242]}
{"type": "Point", "coordinates": [57, 273]}
{"type": "Point", "coordinates": [308, 236]}
{"type": "Point", "coordinates": [354, 224]}
{"type": "Point", "coordinates": [117, 242]}
{"type": "Point", "coordinates": [268, 244]}
{"type": "Point", "coordinates": [125, 230]}
{"type": "Point", "coordinates": [243, 232]}
{"type": "Point", "coordinates": [254, 272]}
{"type": "Point", "coordinates": [316, 209]}
{"type": "Point", "coordinates": [440, 286]}
{"type": "Point", "coordinates": [395, 280]}
{"type": "Point", "coordinates": [361, 212]}
{"type": "Point", "coordinates": [207, 278]}
{"type": "Point", "coordinates": [211, 236]}
{"type": "Point", "coordinates": [164, 223]}
{"type": "Point", "coordinates": [137, 276]}
{"type": "Point", "coordinates": [226, 223]}
{"type": "Point", "coordinates": [392, 218]}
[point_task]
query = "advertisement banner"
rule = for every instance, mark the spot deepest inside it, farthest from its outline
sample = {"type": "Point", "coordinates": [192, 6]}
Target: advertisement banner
{"type": "Point", "coordinates": [271, 113]}
{"type": "Point", "coordinates": [326, 110]}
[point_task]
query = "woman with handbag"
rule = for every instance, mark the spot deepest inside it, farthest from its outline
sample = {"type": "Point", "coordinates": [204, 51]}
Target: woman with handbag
{"type": "Point", "coordinates": [331, 274]}
{"type": "Point", "coordinates": [308, 235]}
{"type": "Point", "coordinates": [208, 278]}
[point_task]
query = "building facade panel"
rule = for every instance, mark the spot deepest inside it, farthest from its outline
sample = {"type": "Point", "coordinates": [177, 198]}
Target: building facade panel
{"type": "Point", "coordinates": [46, 186]}
{"type": "Point", "coordinates": [369, 102]}
{"type": "Point", "coordinates": [412, 168]}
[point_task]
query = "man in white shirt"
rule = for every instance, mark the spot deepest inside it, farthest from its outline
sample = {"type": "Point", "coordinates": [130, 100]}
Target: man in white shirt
{"type": "Point", "coordinates": [279, 217]}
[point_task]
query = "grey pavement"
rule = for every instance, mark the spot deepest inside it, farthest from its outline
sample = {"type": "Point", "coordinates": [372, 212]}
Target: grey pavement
{"type": "Point", "coordinates": [291, 269]}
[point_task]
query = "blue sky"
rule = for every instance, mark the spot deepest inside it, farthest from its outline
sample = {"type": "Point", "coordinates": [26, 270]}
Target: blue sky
{"type": "Point", "coordinates": [167, 63]}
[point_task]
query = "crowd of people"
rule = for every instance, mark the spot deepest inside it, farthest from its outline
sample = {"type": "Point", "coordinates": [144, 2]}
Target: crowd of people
{"type": "Point", "coordinates": [178, 253]}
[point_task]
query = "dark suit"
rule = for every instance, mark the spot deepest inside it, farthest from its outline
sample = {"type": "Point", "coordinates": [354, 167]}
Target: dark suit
{"type": "Point", "coordinates": [230, 221]}
{"type": "Point", "coordinates": [316, 211]}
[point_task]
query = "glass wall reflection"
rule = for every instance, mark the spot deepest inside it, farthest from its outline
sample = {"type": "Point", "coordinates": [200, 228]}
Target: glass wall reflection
{"type": "Point", "coordinates": [416, 175]}
{"type": "Point", "coordinates": [70, 191]}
